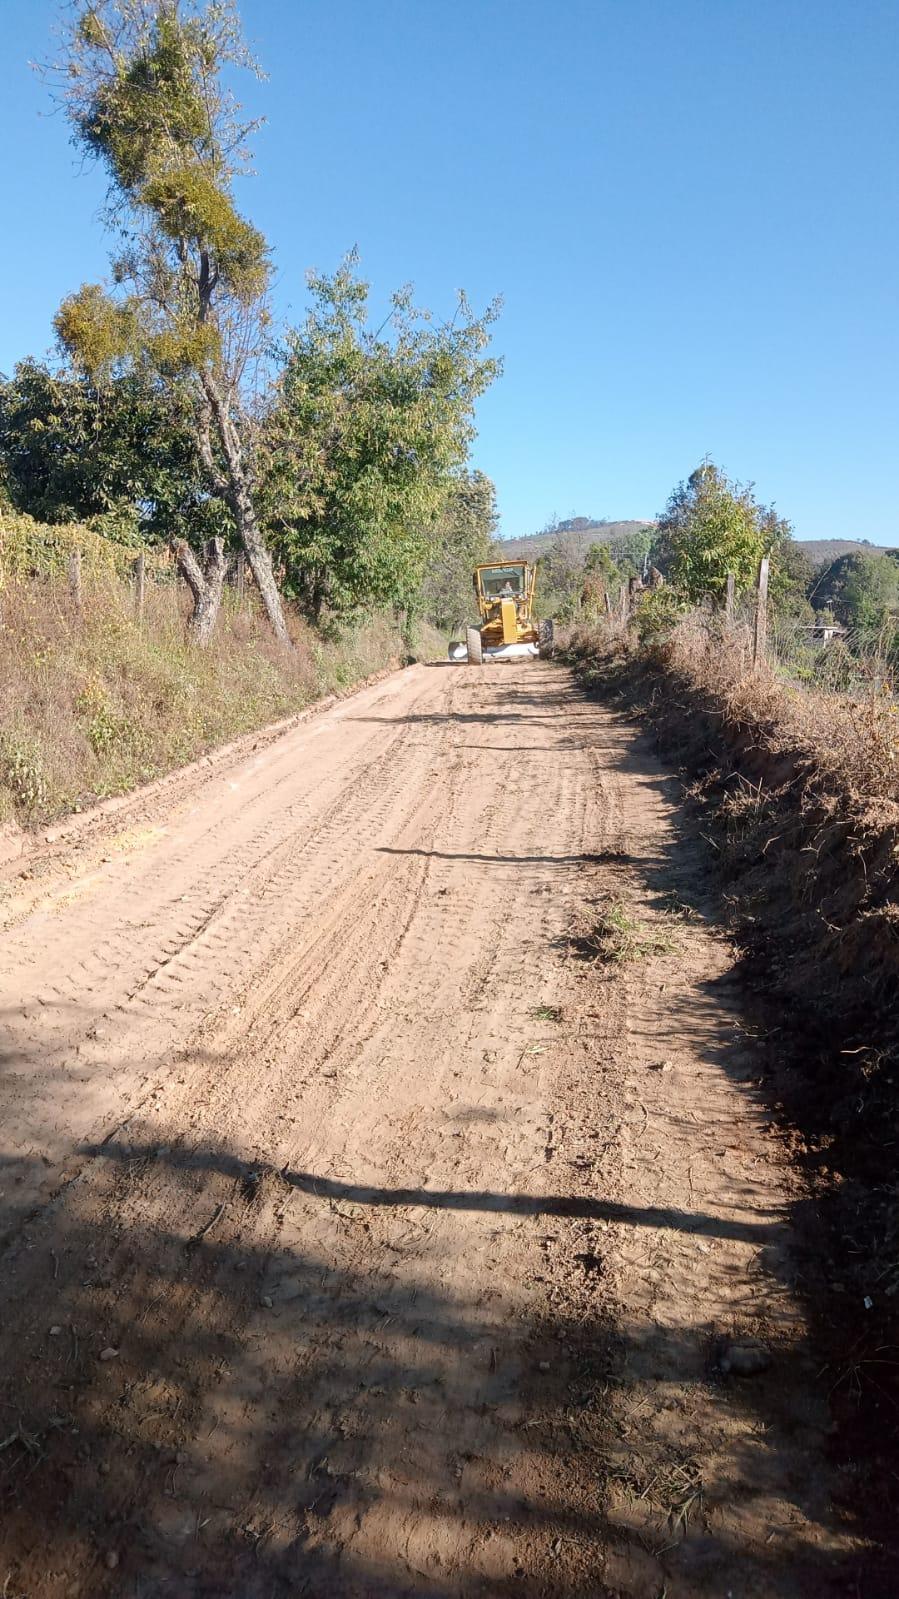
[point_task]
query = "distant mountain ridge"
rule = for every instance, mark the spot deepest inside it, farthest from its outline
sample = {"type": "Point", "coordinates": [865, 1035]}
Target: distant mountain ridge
{"type": "Point", "coordinates": [822, 551]}
{"type": "Point", "coordinates": [582, 531]}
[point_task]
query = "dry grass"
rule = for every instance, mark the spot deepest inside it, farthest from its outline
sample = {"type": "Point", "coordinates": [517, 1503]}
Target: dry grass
{"type": "Point", "coordinates": [95, 705]}
{"type": "Point", "coordinates": [854, 738]}
{"type": "Point", "coordinates": [614, 936]}
{"type": "Point", "coordinates": [797, 790]}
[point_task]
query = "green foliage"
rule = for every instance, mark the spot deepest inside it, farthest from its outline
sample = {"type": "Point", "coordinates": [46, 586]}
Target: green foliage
{"type": "Point", "coordinates": [95, 705]}
{"type": "Point", "coordinates": [631, 552]}
{"type": "Point", "coordinates": [658, 614]}
{"type": "Point", "coordinates": [862, 590]}
{"type": "Point", "coordinates": [100, 333]}
{"type": "Point", "coordinates": [38, 549]}
{"type": "Point", "coordinates": [572, 584]}
{"type": "Point", "coordinates": [364, 441]}
{"type": "Point", "coordinates": [600, 563]}
{"type": "Point", "coordinates": [145, 93]}
{"type": "Point", "coordinates": [792, 576]}
{"type": "Point", "coordinates": [121, 456]}
{"type": "Point", "coordinates": [461, 538]}
{"type": "Point", "coordinates": [145, 84]}
{"type": "Point", "coordinates": [146, 98]}
{"type": "Point", "coordinates": [602, 582]}
{"type": "Point", "coordinates": [364, 435]}
{"type": "Point", "coordinates": [22, 772]}
{"type": "Point", "coordinates": [711, 527]}
{"type": "Point", "coordinates": [834, 668]}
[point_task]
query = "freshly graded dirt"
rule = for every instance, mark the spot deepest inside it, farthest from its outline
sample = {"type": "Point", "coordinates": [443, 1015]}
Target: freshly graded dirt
{"type": "Point", "coordinates": [368, 1230]}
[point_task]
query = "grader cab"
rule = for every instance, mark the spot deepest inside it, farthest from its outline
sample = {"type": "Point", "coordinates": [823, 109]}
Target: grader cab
{"type": "Point", "coordinates": [508, 629]}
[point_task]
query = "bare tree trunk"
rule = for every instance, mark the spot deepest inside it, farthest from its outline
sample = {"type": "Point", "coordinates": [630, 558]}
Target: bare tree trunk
{"type": "Point", "coordinates": [205, 582]}
{"type": "Point", "coordinates": [237, 488]}
{"type": "Point", "coordinates": [258, 556]}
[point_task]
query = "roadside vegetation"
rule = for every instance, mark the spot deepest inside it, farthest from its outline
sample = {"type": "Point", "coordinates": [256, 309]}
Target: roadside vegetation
{"type": "Point", "coordinates": [301, 498]}
{"type": "Point", "coordinates": [712, 528]}
{"type": "Point", "coordinates": [789, 743]}
{"type": "Point", "coordinates": [95, 700]}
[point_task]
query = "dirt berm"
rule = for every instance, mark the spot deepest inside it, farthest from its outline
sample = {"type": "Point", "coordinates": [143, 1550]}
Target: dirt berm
{"type": "Point", "coordinates": [809, 867]}
{"type": "Point", "coordinates": [392, 1201]}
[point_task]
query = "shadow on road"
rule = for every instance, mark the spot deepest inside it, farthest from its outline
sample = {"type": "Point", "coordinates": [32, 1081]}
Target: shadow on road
{"type": "Point", "coordinates": [279, 1420]}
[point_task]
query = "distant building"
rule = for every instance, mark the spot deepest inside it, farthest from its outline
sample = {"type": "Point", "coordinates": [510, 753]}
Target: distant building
{"type": "Point", "coordinates": [822, 632]}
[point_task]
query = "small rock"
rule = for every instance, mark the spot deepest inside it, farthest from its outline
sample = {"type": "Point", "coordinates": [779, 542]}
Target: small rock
{"type": "Point", "coordinates": [266, 1301]}
{"type": "Point", "coordinates": [109, 1354]}
{"type": "Point", "coordinates": [543, 1365]}
{"type": "Point", "coordinates": [744, 1359]}
{"type": "Point", "coordinates": [104, 1468]}
{"type": "Point", "coordinates": [55, 1332]}
{"type": "Point", "coordinates": [112, 1560]}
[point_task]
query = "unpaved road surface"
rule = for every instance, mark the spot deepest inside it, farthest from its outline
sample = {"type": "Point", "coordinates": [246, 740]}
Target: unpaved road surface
{"type": "Point", "coordinates": [365, 1231]}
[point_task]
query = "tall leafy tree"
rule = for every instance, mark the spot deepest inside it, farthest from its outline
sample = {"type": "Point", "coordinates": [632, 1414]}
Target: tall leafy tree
{"type": "Point", "coordinates": [365, 433]}
{"type": "Point", "coordinates": [792, 577]}
{"type": "Point", "coordinates": [145, 83]}
{"type": "Point", "coordinates": [864, 591]}
{"type": "Point", "coordinates": [117, 453]}
{"type": "Point", "coordinates": [631, 551]}
{"type": "Point", "coordinates": [560, 584]}
{"type": "Point", "coordinates": [711, 527]}
{"type": "Point", "coordinates": [460, 539]}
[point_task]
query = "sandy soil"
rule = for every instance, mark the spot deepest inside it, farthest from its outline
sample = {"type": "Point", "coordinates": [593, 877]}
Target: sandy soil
{"type": "Point", "coordinates": [364, 1234]}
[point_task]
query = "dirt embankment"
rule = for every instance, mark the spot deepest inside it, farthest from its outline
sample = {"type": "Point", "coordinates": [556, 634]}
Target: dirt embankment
{"type": "Point", "coordinates": [810, 869]}
{"type": "Point", "coordinates": [390, 1185]}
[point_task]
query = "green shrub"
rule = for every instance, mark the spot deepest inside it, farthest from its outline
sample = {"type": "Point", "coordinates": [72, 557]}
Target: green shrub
{"type": "Point", "coordinates": [658, 614]}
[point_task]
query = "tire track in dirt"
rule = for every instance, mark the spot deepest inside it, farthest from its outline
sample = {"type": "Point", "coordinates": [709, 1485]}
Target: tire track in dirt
{"type": "Point", "coordinates": [412, 1259]}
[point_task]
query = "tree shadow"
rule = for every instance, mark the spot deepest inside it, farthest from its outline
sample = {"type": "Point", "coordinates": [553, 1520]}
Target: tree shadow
{"type": "Point", "coordinates": [790, 1061]}
{"type": "Point", "coordinates": [281, 1420]}
{"type": "Point", "coordinates": [277, 1421]}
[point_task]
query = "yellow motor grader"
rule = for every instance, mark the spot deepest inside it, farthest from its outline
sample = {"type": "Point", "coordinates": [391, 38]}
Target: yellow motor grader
{"type": "Point", "coordinates": [508, 630]}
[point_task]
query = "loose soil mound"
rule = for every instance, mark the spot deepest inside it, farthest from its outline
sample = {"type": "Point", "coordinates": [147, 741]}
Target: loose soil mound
{"type": "Point", "coordinates": [810, 864]}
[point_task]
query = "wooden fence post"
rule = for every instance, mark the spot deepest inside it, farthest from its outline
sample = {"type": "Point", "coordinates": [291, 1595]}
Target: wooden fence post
{"type": "Point", "coordinates": [729, 599]}
{"type": "Point", "coordinates": [761, 615]}
{"type": "Point", "coordinates": [75, 581]}
{"type": "Point", "coordinates": [241, 580]}
{"type": "Point", "coordinates": [622, 602]}
{"type": "Point", "coordinates": [140, 588]}
{"type": "Point", "coordinates": [608, 603]}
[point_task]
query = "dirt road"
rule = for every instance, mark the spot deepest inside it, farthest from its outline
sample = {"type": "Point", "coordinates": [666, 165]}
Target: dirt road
{"type": "Point", "coordinates": [364, 1233]}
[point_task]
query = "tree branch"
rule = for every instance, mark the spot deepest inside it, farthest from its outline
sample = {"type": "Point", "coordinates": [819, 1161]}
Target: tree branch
{"type": "Point", "coordinates": [218, 482]}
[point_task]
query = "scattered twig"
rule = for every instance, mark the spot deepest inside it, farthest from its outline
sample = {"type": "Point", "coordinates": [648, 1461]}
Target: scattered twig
{"type": "Point", "coordinates": [212, 1222]}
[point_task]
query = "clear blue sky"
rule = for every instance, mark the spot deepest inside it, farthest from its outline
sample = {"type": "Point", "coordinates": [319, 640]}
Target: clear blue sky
{"type": "Point", "coordinates": [689, 206]}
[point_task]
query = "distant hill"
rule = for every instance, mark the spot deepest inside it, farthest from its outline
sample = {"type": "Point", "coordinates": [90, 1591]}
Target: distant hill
{"type": "Point", "coordinates": [580, 530]}
{"type": "Point", "coordinates": [822, 551]}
